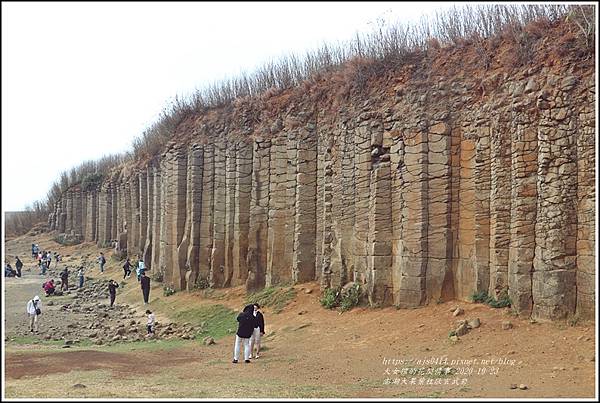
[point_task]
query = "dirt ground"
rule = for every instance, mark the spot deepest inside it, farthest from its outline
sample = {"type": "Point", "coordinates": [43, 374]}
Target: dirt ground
{"type": "Point", "coordinates": [309, 351]}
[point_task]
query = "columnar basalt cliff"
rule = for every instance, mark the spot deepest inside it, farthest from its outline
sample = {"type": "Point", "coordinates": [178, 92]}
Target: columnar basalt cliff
{"type": "Point", "coordinates": [429, 185]}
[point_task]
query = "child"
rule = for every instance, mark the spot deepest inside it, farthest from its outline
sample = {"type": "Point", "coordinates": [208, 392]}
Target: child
{"type": "Point", "coordinates": [151, 321]}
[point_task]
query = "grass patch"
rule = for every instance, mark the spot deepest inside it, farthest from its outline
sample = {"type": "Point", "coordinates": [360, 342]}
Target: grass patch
{"type": "Point", "coordinates": [216, 321]}
{"type": "Point", "coordinates": [34, 340]}
{"type": "Point", "coordinates": [344, 299]}
{"type": "Point", "coordinates": [273, 297]}
{"type": "Point", "coordinates": [482, 297]}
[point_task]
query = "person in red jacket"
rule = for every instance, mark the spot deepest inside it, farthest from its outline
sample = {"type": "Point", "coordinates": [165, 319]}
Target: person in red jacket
{"type": "Point", "coordinates": [49, 287]}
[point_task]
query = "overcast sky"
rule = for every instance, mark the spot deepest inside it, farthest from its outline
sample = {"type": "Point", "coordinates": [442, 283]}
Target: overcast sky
{"type": "Point", "coordinates": [81, 80]}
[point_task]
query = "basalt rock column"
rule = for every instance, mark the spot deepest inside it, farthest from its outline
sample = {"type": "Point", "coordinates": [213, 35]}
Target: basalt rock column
{"type": "Point", "coordinates": [150, 216]}
{"type": "Point", "coordinates": [194, 210]}
{"type": "Point", "coordinates": [411, 291]}
{"type": "Point", "coordinates": [206, 216]}
{"type": "Point", "coordinates": [482, 208]}
{"type": "Point", "coordinates": [523, 215]}
{"type": "Point", "coordinates": [230, 207]}
{"type": "Point", "coordinates": [586, 159]}
{"type": "Point", "coordinates": [259, 207]}
{"type": "Point", "coordinates": [554, 276]}
{"type": "Point", "coordinates": [439, 238]}
{"type": "Point", "coordinates": [105, 214]}
{"type": "Point", "coordinates": [133, 233]}
{"type": "Point", "coordinates": [179, 203]}
{"type": "Point", "coordinates": [279, 252]}
{"type": "Point", "coordinates": [143, 211]}
{"type": "Point", "coordinates": [330, 276]}
{"type": "Point", "coordinates": [306, 213]}
{"type": "Point", "coordinates": [91, 212]}
{"type": "Point", "coordinates": [217, 256]}
{"type": "Point", "coordinates": [157, 208]}
{"type": "Point", "coordinates": [241, 224]}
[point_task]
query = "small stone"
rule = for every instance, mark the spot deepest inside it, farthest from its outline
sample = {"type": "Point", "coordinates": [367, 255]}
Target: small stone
{"type": "Point", "coordinates": [458, 311]}
{"type": "Point", "coordinates": [116, 338]}
{"type": "Point", "coordinates": [50, 303]}
{"type": "Point", "coordinates": [68, 342]}
{"type": "Point", "coordinates": [506, 325]}
{"type": "Point", "coordinates": [513, 386]}
{"type": "Point", "coordinates": [523, 386]}
{"type": "Point", "coordinates": [307, 291]}
{"type": "Point", "coordinates": [66, 346]}
{"type": "Point", "coordinates": [454, 338]}
{"type": "Point", "coordinates": [474, 324]}
{"type": "Point", "coordinates": [79, 386]}
{"type": "Point", "coordinates": [208, 341]}
{"type": "Point", "coordinates": [462, 330]}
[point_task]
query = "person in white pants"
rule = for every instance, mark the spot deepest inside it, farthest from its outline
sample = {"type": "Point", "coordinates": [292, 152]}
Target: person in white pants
{"type": "Point", "coordinates": [34, 307]}
{"type": "Point", "coordinates": [245, 328]}
{"type": "Point", "coordinates": [259, 330]}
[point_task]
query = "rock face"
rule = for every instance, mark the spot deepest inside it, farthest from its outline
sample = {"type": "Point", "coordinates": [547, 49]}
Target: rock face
{"type": "Point", "coordinates": [419, 196]}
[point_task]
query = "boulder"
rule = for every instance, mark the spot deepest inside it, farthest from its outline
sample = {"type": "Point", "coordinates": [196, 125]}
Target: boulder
{"type": "Point", "coordinates": [208, 341]}
{"type": "Point", "coordinates": [474, 323]}
{"type": "Point", "coordinates": [458, 311]}
{"type": "Point", "coordinates": [506, 325]}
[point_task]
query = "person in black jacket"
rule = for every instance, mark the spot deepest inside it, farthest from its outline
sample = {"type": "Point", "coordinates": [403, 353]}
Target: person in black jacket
{"type": "Point", "coordinates": [126, 269]}
{"type": "Point", "coordinates": [246, 322]}
{"type": "Point", "coordinates": [18, 266]}
{"type": "Point", "coordinates": [112, 290]}
{"type": "Point", "coordinates": [259, 330]}
{"type": "Point", "coordinates": [145, 285]}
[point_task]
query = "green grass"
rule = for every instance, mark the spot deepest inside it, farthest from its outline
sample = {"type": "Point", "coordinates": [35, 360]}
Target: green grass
{"type": "Point", "coordinates": [482, 297]}
{"type": "Point", "coordinates": [217, 319]}
{"type": "Point", "coordinates": [273, 297]}
{"type": "Point", "coordinates": [34, 340]}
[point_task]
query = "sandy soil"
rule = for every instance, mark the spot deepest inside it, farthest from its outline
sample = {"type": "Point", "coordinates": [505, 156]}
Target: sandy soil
{"type": "Point", "coordinates": [309, 351]}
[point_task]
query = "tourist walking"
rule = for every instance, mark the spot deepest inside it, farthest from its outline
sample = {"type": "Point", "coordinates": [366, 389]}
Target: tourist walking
{"type": "Point", "coordinates": [145, 285]}
{"type": "Point", "coordinates": [112, 291]}
{"type": "Point", "coordinates": [259, 330]}
{"type": "Point", "coordinates": [48, 259]}
{"type": "Point", "coordinates": [18, 266]}
{"type": "Point", "coordinates": [246, 321]}
{"type": "Point", "coordinates": [34, 309]}
{"type": "Point", "coordinates": [102, 262]}
{"type": "Point", "coordinates": [127, 269]}
{"type": "Point", "coordinates": [141, 269]}
{"type": "Point", "coordinates": [64, 280]}
{"type": "Point", "coordinates": [80, 274]}
{"type": "Point", "coordinates": [44, 267]}
{"type": "Point", "coordinates": [150, 323]}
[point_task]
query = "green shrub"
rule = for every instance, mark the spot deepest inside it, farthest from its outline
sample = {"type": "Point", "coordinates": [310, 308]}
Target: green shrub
{"type": "Point", "coordinates": [351, 298]}
{"type": "Point", "coordinates": [168, 290]}
{"type": "Point", "coordinates": [482, 297]}
{"type": "Point", "coordinates": [158, 276]}
{"type": "Point", "coordinates": [330, 298]}
{"type": "Point", "coordinates": [202, 283]}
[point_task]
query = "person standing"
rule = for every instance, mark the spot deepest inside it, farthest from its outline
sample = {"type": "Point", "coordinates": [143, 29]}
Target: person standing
{"type": "Point", "coordinates": [145, 284]}
{"type": "Point", "coordinates": [80, 274]}
{"type": "Point", "coordinates": [151, 322]}
{"type": "Point", "coordinates": [64, 279]}
{"type": "Point", "coordinates": [48, 259]}
{"type": "Point", "coordinates": [33, 252]}
{"type": "Point", "coordinates": [126, 269]}
{"type": "Point", "coordinates": [259, 330]}
{"type": "Point", "coordinates": [102, 262]}
{"type": "Point", "coordinates": [112, 291]}
{"type": "Point", "coordinates": [34, 309]}
{"type": "Point", "coordinates": [18, 266]}
{"type": "Point", "coordinates": [44, 267]}
{"type": "Point", "coordinates": [246, 321]}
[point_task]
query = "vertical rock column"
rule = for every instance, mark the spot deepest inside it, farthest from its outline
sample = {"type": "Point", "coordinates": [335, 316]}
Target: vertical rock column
{"type": "Point", "coordinates": [259, 208]}
{"type": "Point", "coordinates": [241, 222]}
{"type": "Point", "coordinates": [279, 253]}
{"type": "Point", "coordinates": [500, 204]}
{"type": "Point", "coordinates": [165, 251]}
{"type": "Point", "coordinates": [330, 276]}
{"type": "Point", "coordinates": [394, 140]}
{"type": "Point", "coordinates": [482, 207]}
{"type": "Point", "coordinates": [206, 216]}
{"type": "Point", "coordinates": [92, 210]}
{"type": "Point", "coordinates": [150, 216]}
{"type": "Point", "coordinates": [217, 257]}
{"type": "Point", "coordinates": [157, 208]}
{"type": "Point", "coordinates": [332, 239]}
{"type": "Point", "coordinates": [143, 211]}
{"type": "Point", "coordinates": [230, 207]}
{"type": "Point", "coordinates": [586, 179]}
{"type": "Point", "coordinates": [380, 233]}
{"type": "Point", "coordinates": [523, 216]}
{"type": "Point", "coordinates": [465, 274]}
{"type": "Point", "coordinates": [554, 276]}
{"type": "Point", "coordinates": [362, 164]}
{"type": "Point", "coordinates": [194, 211]}
{"type": "Point", "coordinates": [69, 211]}
{"type": "Point", "coordinates": [135, 214]}
{"type": "Point", "coordinates": [179, 195]}
{"type": "Point", "coordinates": [105, 214]}
{"type": "Point", "coordinates": [411, 291]}
{"type": "Point", "coordinates": [439, 237]}
{"type": "Point", "coordinates": [114, 204]}
{"type": "Point", "coordinates": [78, 212]}
{"type": "Point", "coordinates": [306, 210]}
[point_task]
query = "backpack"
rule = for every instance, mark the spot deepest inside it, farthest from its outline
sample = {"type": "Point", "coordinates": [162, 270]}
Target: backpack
{"type": "Point", "coordinates": [37, 310]}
